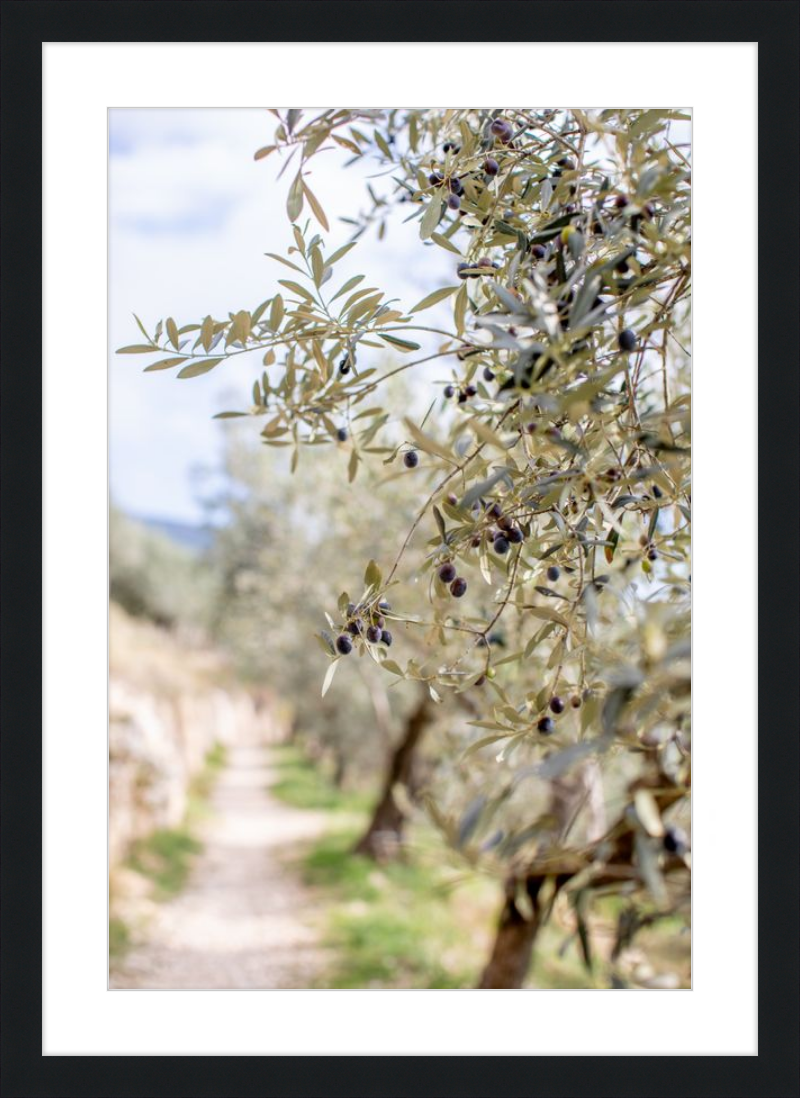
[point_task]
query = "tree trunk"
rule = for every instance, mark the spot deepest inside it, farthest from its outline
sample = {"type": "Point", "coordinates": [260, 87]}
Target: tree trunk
{"type": "Point", "coordinates": [382, 838]}
{"type": "Point", "coordinates": [515, 938]}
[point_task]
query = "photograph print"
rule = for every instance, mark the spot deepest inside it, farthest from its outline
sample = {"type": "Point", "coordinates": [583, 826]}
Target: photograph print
{"type": "Point", "coordinates": [400, 548]}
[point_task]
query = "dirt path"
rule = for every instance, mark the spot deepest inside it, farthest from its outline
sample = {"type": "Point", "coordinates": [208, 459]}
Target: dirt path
{"type": "Point", "coordinates": [241, 922]}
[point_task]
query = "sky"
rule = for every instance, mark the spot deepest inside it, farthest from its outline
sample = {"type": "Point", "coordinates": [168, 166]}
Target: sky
{"type": "Point", "coordinates": [191, 215]}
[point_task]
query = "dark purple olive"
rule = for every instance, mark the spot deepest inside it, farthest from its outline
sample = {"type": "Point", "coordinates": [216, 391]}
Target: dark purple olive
{"type": "Point", "coordinates": [411, 459]}
{"type": "Point", "coordinates": [344, 646]}
{"type": "Point", "coordinates": [490, 166]}
{"type": "Point", "coordinates": [502, 130]}
{"type": "Point", "coordinates": [546, 726]}
{"type": "Point", "coordinates": [557, 704]}
{"type": "Point", "coordinates": [458, 587]}
{"type": "Point", "coordinates": [447, 572]}
{"type": "Point", "coordinates": [627, 340]}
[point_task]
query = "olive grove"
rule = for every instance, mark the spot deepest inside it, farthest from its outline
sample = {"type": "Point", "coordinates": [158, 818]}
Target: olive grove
{"type": "Point", "coordinates": [531, 581]}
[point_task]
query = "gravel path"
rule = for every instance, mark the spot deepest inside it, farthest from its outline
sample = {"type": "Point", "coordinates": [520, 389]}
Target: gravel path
{"type": "Point", "coordinates": [241, 922]}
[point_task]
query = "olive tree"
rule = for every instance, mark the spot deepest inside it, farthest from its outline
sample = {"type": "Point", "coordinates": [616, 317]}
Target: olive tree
{"type": "Point", "coordinates": [549, 476]}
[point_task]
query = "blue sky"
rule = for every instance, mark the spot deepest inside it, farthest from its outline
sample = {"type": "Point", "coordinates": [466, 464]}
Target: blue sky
{"type": "Point", "coordinates": [191, 215]}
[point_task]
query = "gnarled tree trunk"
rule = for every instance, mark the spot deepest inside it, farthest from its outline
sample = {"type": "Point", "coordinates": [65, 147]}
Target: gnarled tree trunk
{"type": "Point", "coordinates": [382, 838]}
{"type": "Point", "coordinates": [516, 935]}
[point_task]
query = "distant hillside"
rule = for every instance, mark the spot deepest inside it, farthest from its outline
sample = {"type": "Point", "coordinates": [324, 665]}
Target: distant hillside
{"type": "Point", "coordinates": [193, 537]}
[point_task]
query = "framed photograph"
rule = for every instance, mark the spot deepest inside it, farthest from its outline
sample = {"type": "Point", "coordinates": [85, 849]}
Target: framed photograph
{"type": "Point", "coordinates": [354, 621]}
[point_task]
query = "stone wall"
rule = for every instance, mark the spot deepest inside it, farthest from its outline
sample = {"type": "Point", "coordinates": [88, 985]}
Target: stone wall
{"type": "Point", "coordinates": [163, 723]}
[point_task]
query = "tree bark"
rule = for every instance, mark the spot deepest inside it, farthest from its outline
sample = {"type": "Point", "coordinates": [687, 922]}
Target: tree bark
{"type": "Point", "coordinates": [516, 934]}
{"type": "Point", "coordinates": [382, 838]}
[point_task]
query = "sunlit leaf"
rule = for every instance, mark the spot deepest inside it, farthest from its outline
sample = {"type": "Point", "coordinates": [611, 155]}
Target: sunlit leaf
{"type": "Point", "coordinates": [434, 298]}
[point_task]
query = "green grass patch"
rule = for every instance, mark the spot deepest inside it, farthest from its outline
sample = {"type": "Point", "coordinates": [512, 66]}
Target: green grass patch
{"type": "Point", "coordinates": [165, 858]}
{"type": "Point", "coordinates": [303, 785]}
{"type": "Point", "coordinates": [119, 938]}
{"type": "Point", "coordinates": [392, 925]}
{"type": "Point", "coordinates": [202, 784]}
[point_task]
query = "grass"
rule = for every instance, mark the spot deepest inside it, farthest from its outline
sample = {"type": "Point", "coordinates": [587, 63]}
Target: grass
{"type": "Point", "coordinates": [389, 926]}
{"type": "Point", "coordinates": [202, 784]}
{"type": "Point", "coordinates": [303, 785]}
{"type": "Point", "coordinates": [165, 858]}
{"type": "Point", "coordinates": [119, 937]}
{"type": "Point", "coordinates": [398, 925]}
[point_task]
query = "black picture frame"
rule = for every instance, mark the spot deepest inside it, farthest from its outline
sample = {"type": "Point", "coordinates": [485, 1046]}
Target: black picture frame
{"type": "Point", "coordinates": [775, 1071]}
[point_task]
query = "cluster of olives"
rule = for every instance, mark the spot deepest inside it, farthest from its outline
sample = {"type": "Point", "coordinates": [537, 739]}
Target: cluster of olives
{"type": "Point", "coordinates": [546, 725]}
{"type": "Point", "coordinates": [454, 185]}
{"type": "Point", "coordinates": [365, 622]}
{"type": "Point", "coordinates": [622, 201]}
{"type": "Point", "coordinates": [448, 575]}
{"type": "Point", "coordinates": [483, 267]}
{"type": "Point", "coordinates": [507, 535]}
{"type": "Point", "coordinates": [464, 394]}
